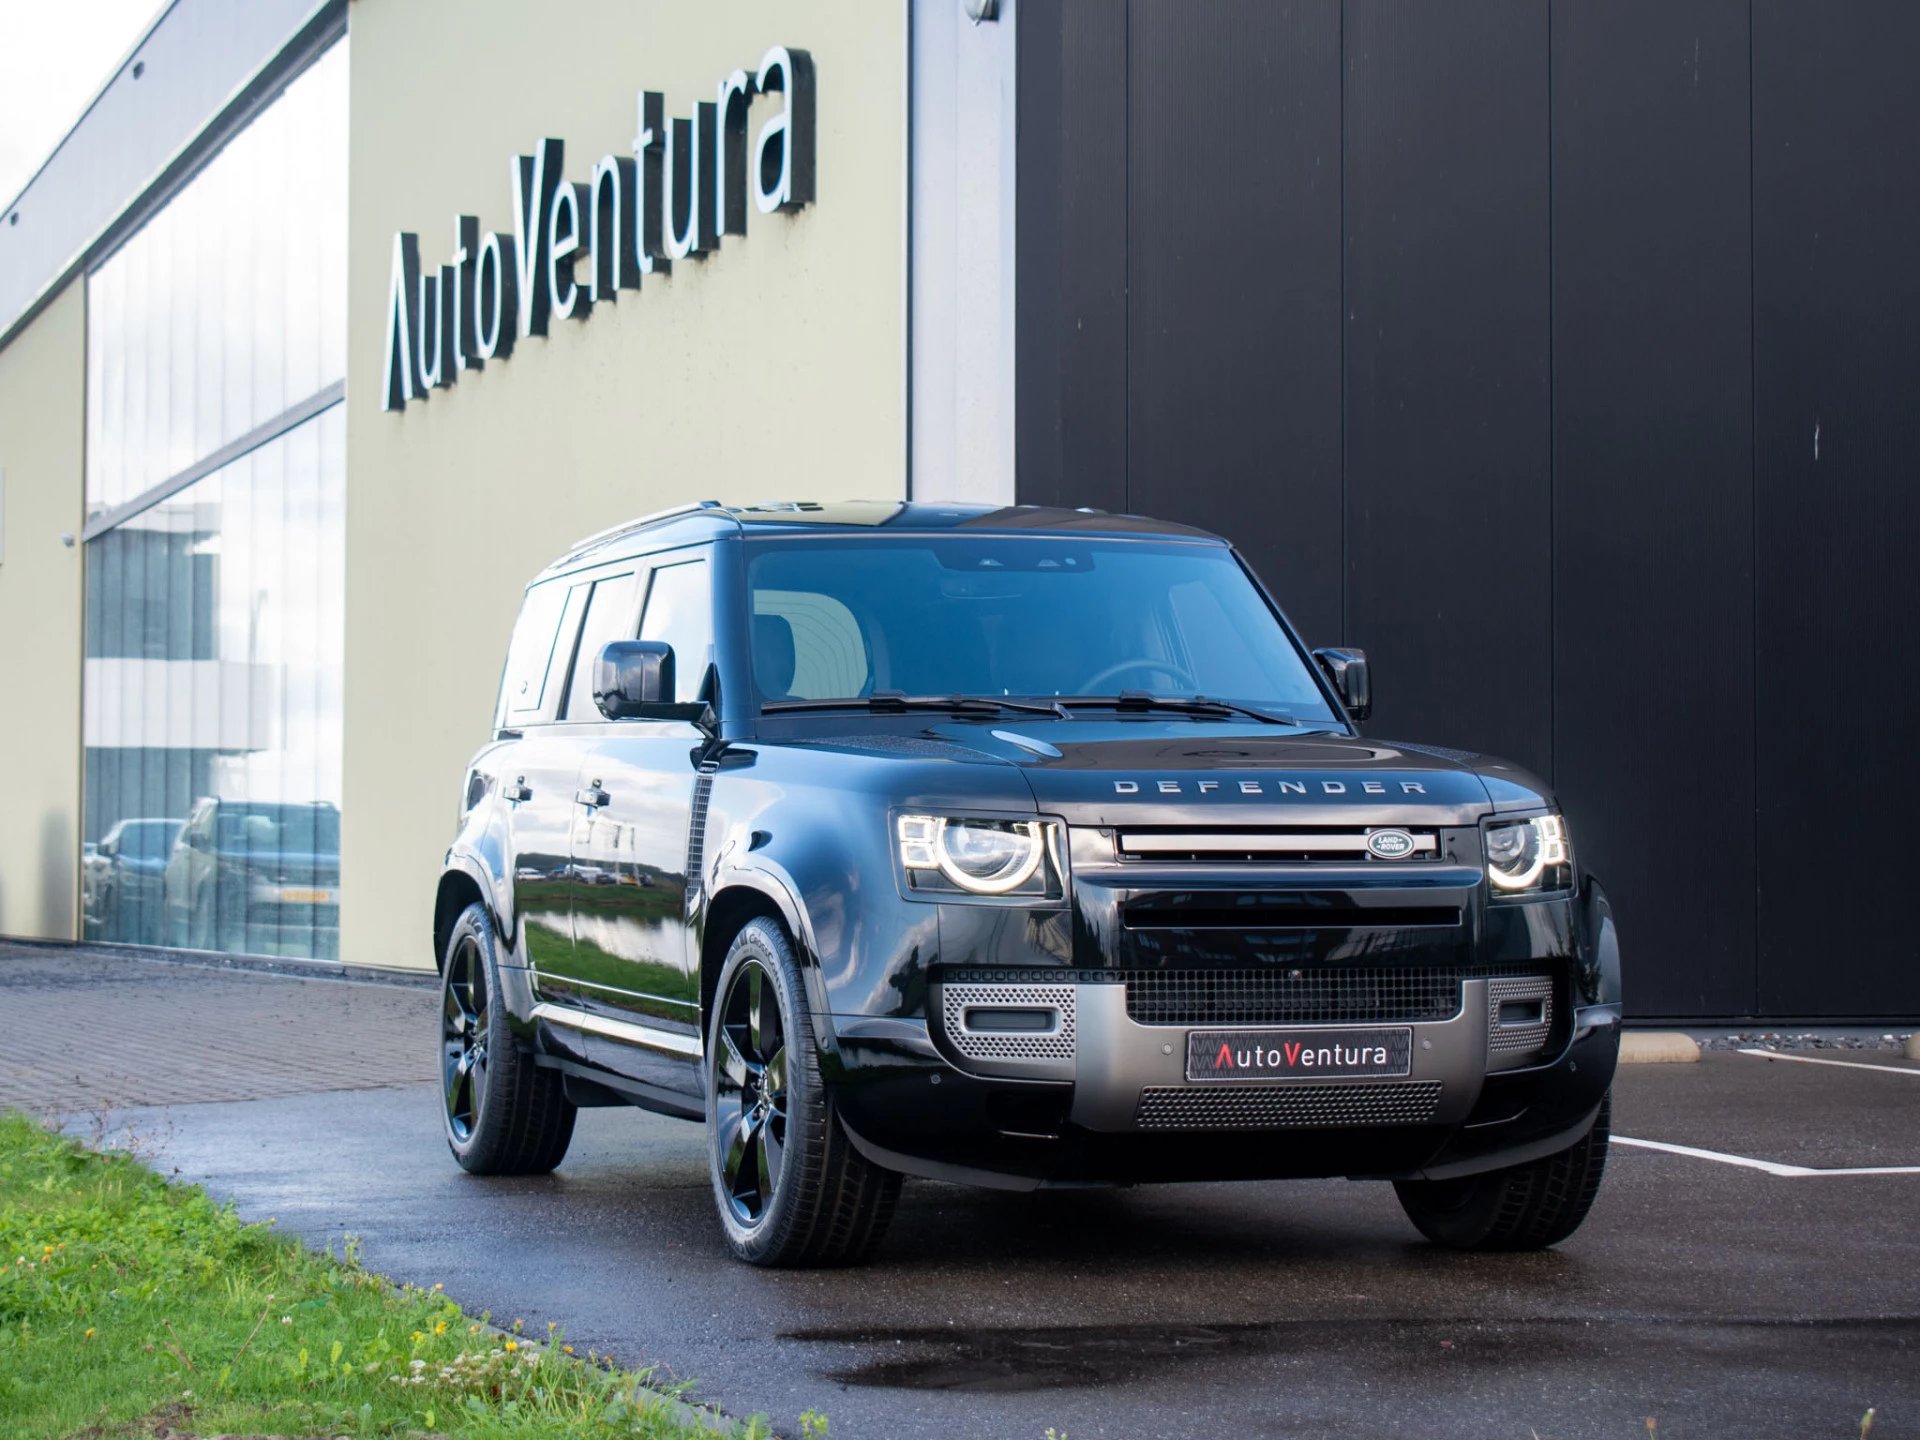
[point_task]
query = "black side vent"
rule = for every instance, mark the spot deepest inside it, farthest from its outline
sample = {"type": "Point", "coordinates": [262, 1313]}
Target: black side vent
{"type": "Point", "coordinates": [697, 834]}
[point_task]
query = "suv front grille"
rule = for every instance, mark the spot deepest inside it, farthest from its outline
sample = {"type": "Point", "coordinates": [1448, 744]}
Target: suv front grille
{"type": "Point", "coordinates": [1290, 844]}
{"type": "Point", "coordinates": [1293, 997]}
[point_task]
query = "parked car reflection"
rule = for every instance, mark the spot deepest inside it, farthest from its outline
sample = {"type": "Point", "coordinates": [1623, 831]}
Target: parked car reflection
{"type": "Point", "coordinates": [120, 887]}
{"type": "Point", "coordinates": [258, 877]}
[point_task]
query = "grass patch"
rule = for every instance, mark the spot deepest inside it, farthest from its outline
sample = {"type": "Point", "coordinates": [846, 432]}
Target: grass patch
{"type": "Point", "coordinates": [128, 1305]}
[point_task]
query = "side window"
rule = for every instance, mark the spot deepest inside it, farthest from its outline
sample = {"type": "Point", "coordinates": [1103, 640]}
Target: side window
{"type": "Point", "coordinates": [807, 646]}
{"type": "Point", "coordinates": [609, 617]}
{"type": "Point", "coordinates": [523, 683]}
{"type": "Point", "coordinates": [680, 612]}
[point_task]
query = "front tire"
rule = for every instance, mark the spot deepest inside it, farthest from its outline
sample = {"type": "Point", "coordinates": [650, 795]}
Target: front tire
{"type": "Point", "coordinates": [789, 1185]}
{"type": "Point", "coordinates": [1526, 1207]}
{"type": "Point", "coordinates": [503, 1114]}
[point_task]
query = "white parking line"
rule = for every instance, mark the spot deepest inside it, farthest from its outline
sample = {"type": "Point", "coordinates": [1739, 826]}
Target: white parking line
{"type": "Point", "coordinates": [1769, 1167]}
{"type": "Point", "coordinates": [1818, 1060]}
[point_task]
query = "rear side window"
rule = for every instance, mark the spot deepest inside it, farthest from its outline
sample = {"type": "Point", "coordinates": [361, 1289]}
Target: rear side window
{"type": "Point", "coordinates": [609, 617]}
{"type": "Point", "coordinates": [523, 685]}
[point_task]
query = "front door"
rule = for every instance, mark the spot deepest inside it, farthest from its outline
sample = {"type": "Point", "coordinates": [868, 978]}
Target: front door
{"type": "Point", "coordinates": [632, 941]}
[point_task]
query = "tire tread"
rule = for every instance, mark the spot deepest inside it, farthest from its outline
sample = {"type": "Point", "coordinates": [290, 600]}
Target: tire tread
{"type": "Point", "coordinates": [839, 1202]}
{"type": "Point", "coordinates": [1527, 1207]}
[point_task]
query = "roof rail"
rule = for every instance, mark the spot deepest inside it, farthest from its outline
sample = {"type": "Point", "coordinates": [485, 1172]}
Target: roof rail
{"type": "Point", "coordinates": [691, 508]}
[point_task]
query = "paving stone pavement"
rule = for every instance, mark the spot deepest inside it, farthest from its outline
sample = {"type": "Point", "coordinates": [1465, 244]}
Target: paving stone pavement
{"type": "Point", "coordinates": [88, 1030]}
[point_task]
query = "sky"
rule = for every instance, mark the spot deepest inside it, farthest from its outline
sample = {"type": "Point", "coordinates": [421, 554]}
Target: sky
{"type": "Point", "coordinates": [54, 56]}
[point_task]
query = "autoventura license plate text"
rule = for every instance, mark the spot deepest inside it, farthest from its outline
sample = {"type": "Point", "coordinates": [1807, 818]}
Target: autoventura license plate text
{"type": "Point", "coordinates": [1282, 1054]}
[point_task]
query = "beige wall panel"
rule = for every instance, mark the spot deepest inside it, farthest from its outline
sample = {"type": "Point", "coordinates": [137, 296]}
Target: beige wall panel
{"type": "Point", "coordinates": [42, 438]}
{"type": "Point", "coordinates": [774, 368]}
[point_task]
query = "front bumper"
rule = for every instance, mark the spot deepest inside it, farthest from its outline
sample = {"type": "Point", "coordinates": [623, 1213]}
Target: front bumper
{"type": "Point", "coordinates": [1094, 1089]}
{"type": "Point", "coordinates": [1112, 1103]}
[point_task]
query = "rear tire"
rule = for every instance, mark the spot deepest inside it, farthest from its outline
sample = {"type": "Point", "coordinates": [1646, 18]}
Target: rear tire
{"type": "Point", "coordinates": [503, 1114]}
{"type": "Point", "coordinates": [1526, 1207]}
{"type": "Point", "coordinates": [789, 1185]}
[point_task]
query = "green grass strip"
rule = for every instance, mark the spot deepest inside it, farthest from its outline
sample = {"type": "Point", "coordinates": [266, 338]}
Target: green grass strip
{"type": "Point", "coordinates": [128, 1305]}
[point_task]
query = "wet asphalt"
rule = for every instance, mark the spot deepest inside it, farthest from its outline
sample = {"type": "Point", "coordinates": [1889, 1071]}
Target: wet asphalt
{"type": "Point", "coordinates": [1716, 1301]}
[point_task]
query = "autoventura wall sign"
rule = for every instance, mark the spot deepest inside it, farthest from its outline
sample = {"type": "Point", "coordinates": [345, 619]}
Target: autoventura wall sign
{"type": "Point", "coordinates": [684, 187]}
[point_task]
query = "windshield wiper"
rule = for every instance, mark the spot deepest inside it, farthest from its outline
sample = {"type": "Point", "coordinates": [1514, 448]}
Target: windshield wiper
{"type": "Point", "coordinates": [1199, 706]}
{"type": "Point", "coordinates": [893, 702]}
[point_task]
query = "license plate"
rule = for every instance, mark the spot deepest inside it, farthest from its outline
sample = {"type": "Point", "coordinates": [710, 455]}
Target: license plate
{"type": "Point", "coordinates": [305, 895]}
{"type": "Point", "coordinates": [1297, 1054]}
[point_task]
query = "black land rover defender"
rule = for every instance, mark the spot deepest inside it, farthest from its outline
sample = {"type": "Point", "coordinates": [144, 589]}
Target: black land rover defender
{"type": "Point", "coordinates": [1021, 847]}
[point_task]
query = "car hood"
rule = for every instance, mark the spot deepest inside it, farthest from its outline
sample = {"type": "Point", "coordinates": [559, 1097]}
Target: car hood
{"type": "Point", "coordinates": [1118, 772]}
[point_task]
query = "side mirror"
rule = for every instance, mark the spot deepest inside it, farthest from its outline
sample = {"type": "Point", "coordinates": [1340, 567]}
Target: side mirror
{"type": "Point", "coordinates": [632, 677]}
{"type": "Point", "coordinates": [1347, 669]}
{"type": "Point", "coordinates": [633, 680]}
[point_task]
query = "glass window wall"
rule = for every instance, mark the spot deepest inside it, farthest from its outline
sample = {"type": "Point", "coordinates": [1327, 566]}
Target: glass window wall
{"type": "Point", "coordinates": [212, 699]}
{"type": "Point", "coordinates": [228, 307]}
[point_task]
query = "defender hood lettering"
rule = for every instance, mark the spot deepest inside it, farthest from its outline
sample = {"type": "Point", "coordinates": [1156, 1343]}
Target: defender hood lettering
{"type": "Point", "coordinates": [1176, 773]}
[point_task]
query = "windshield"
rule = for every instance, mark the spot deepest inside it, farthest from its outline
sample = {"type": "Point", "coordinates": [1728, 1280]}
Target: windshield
{"type": "Point", "coordinates": [1017, 616]}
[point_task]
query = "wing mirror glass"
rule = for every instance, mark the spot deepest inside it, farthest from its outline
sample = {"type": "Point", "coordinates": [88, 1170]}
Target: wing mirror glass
{"type": "Point", "coordinates": [1347, 669]}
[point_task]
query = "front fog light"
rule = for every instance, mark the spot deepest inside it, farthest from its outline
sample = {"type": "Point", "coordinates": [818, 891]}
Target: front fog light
{"type": "Point", "coordinates": [1529, 854]}
{"type": "Point", "coordinates": [979, 857]}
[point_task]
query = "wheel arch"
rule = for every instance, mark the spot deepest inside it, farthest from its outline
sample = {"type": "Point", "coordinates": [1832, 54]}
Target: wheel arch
{"type": "Point", "coordinates": [746, 896]}
{"type": "Point", "coordinates": [459, 887]}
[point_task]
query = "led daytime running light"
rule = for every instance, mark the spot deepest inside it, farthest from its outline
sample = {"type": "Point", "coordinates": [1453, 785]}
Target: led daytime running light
{"type": "Point", "coordinates": [923, 846]}
{"type": "Point", "coordinates": [1549, 849]}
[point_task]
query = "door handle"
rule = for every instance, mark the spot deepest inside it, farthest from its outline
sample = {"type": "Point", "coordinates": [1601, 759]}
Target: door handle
{"type": "Point", "coordinates": [517, 790]}
{"type": "Point", "coordinates": [593, 797]}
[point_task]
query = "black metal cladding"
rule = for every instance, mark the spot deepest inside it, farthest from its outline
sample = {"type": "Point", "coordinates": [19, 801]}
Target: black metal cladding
{"type": "Point", "coordinates": [1562, 356]}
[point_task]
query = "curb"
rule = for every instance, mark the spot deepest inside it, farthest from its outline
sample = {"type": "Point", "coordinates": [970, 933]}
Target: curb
{"type": "Point", "coordinates": [286, 966]}
{"type": "Point", "coordinates": [1658, 1047]}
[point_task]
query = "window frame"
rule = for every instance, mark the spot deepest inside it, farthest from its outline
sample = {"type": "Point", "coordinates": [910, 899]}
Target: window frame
{"type": "Point", "coordinates": [703, 554]}
{"type": "Point", "coordinates": [590, 581]}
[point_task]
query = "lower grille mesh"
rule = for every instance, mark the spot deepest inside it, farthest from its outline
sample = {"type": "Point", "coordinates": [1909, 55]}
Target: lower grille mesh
{"type": "Point", "coordinates": [1057, 1044]}
{"type": "Point", "coordinates": [1283, 1107]}
{"type": "Point", "coordinates": [1293, 997]}
{"type": "Point", "coordinates": [1519, 1037]}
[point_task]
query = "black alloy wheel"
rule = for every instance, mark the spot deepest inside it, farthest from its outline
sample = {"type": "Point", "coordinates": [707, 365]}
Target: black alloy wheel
{"type": "Point", "coordinates": [789, 1185]}
{"type": "Point", "coordinates": [504, 1114]}
{"type": "Point", "coordinates": [463, 1037]}
{"type": "Point", "coordinates": [750, 1093]}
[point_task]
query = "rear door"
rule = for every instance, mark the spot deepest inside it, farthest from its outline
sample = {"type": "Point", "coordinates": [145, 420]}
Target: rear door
{"type": "Point", "coordinates": [537, 776]}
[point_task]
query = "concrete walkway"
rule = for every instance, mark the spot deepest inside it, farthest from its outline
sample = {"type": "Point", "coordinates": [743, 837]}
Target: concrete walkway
{"type": "Point", "coordinates": [98, 1029]}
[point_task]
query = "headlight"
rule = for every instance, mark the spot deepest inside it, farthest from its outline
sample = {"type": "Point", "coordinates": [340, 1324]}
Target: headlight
{"type": "Point", "coordinates": [1531, 854]}
{"type": "Point", "coordinates": [980, 857]}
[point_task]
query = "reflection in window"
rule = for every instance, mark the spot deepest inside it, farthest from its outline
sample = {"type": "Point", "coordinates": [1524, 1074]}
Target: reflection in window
{"type": "Point", "coordinates": [228, 307]}
{"type": "Point", "coordinates": [211, 703]}
{"type": "Point", "coordinates": [213, 707]}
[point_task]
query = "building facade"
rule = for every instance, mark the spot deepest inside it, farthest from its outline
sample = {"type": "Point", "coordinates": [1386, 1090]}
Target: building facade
{"type": "Point", "coordinates": [1561, 355]}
